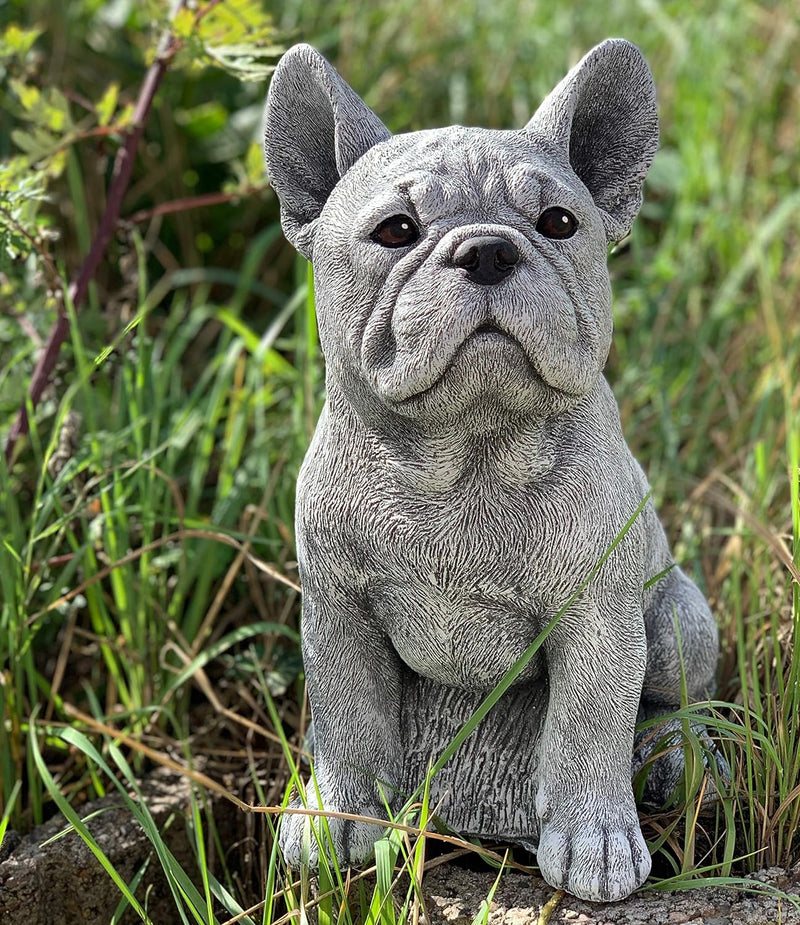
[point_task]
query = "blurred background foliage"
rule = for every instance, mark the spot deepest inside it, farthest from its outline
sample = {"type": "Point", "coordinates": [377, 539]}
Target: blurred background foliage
{"type": "Point", "coordinates": [727, 164]}
{"type": "Point", "coordinates": [148, 518]}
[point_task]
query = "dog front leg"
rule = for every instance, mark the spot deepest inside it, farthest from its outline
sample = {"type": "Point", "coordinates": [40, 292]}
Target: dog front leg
{"type": "Point", "coordinates": [354, 685]}
{"type": "Point", "coordinates": [590, 841]}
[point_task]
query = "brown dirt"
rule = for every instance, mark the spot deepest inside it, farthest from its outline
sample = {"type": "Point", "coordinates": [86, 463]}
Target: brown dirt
{"type": "Point", "coordinates": [454, 897]}
{"type": "Point", "coordinates": [62, 883]}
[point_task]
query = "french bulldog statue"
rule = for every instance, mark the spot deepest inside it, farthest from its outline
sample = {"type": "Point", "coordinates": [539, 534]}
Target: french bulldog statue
{"type": "Point", "coordinates": [468, 471]}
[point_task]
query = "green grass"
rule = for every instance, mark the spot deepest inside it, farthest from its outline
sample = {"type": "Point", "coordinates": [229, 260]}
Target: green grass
{"type": "Point", "coordinates": [147, 606]}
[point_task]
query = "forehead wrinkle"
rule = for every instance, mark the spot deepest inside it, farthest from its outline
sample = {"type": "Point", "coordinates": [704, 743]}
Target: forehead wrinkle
{"type": "Point", "coordinates": [471, 177]}
{"type": "Point", "coordinates": [480, 174]}
{"type": "Point", "coordinates": [433, 193]}
{"type": "Point", "coordinates": [425, 192]}
{"type": "Point", "coordinates": [496, 185]}
{"type": "Point", "coordinates": [523, 186]}
{"type": "Point", "coordinates": [485, 170]}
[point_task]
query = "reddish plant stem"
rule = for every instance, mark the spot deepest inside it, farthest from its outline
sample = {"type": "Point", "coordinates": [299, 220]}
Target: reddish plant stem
{"type": "Point", "coordinates": [192, 202]}
{"type": "Point", "coordinates": [78, 288]}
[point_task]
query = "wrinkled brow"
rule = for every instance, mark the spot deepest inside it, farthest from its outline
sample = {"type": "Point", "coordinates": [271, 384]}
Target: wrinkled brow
{"type": "Point", "coordinates": [441, 193]}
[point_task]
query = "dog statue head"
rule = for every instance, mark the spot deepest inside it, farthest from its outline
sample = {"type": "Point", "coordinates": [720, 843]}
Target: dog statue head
{"type": "Point", "coordinates": [461, 272]}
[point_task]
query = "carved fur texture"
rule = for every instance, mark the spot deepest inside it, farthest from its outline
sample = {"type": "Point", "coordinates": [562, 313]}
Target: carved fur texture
{"type": "Point", "coordinates": [469, 470]}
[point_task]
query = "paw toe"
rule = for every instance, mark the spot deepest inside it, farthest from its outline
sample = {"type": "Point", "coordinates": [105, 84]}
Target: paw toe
{"type": "Point", "coordinates": [597, 864]}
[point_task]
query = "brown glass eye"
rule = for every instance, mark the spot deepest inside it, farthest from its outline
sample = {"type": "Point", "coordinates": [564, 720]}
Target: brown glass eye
{"type": "Point", "coordinates": [397, 231]}
{"type": "Point", "coordinates": [556, 222]}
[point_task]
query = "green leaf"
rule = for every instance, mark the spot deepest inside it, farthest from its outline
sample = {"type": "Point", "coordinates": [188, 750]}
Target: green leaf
{"type": "Point", "coordinates": [656, 578]}
{"type": "Point", "coordinates": [482, 915]}
{"type": "Point", "coordinates": [56, 112]}
{"type": "Point", "coordinates": [183, 23]}
{"type": "Point", "coordinates": [243, 60]}
{"type": "Point", "coordinates": [107, 103]}
{"type": "Point", "coordinates": [28, 95]}
{"type": "Point", "coordinates": [385, 856]}
{"type": "Point", "coordinates": [37, 144]}
{"type": "Point", "coordinates": [16, 42]}
{"type": "Point", "coordinates": [9, 808]}
{"type": "Point", "coordinates": [74, 819]}
{"type": "Point", "coordinates": [236, 36]}
{"type": "Point", "coordinates": [46, 108]}
{"type": "Point", "coordinates": [254, 163]}
{"type": "Point", "coordinates": [230, 639]}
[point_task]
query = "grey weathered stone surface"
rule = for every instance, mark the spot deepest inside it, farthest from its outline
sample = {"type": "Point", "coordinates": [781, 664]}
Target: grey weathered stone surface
{"type": "Point", "coordinates": [469, 472]}
{"type": "Point", "coordinates": [454, 896]}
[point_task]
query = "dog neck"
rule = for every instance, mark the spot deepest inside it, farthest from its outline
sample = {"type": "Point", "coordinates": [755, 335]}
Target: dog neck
{"type": "Point", "coordinates": [513, 453]}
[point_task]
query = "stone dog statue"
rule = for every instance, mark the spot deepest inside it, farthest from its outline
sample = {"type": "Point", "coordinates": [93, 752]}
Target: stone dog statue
{"type": "Point", "coordinates": [469, 471]}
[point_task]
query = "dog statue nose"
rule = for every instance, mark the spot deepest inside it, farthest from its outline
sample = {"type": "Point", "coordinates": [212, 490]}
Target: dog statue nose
{"type": "Point", "coordinates": [487, 259]}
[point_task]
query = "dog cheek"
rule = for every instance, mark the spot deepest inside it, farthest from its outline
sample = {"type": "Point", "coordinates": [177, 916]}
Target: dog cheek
{"type": "Point", "coordinates": [597, 323]}
{"type": "Point", "coordinates": [345, 286]}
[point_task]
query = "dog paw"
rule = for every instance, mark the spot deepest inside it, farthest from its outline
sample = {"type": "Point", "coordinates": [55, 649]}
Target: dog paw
{"type": "Point", "coordinates": [662, 750]}
{"type": "Point", "coordinates": [594, 850]}
{"type": "Point", "coordinates": [346, 842]}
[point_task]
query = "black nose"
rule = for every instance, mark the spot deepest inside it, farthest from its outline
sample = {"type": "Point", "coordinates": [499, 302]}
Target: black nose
{"type": "Point", "coordinates": [487, 259]}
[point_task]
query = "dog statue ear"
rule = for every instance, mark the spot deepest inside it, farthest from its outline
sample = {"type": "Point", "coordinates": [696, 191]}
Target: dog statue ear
{"type": "Point", "coordinates": [315, 128]}
{"type": "Point", "coordinates": [603, 116]}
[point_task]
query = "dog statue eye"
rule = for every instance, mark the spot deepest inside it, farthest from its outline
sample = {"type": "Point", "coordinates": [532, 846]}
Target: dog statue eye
{"type": "Point", "coordinates": [556, 222]}
{"type": "Point", "coordinates": [397, 231]}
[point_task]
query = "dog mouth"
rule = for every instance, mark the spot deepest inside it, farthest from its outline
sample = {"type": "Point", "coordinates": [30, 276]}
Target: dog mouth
{"type": "Point", "coordinates": [489, 327]}
{"type": "Point", "coordinates": [491, 331]}
{"type": "Point", "coordinates": [488, 333]}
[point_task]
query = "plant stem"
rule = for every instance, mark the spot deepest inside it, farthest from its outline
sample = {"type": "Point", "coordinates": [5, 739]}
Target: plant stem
{"type": "Point", "coordinates": [120, 179]}
{"type": "Point", "coordinates": [193, 202]}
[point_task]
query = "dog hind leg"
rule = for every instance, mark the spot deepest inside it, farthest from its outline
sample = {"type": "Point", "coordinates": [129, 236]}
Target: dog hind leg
{"type": "Point", "coordinates": [682, 647]}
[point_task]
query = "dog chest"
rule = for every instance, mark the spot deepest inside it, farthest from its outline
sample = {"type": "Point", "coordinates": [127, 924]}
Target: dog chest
{"type": "Point", "coordinates": [464, 636]}
{"type": "Point", "coordinates": [456, 595]}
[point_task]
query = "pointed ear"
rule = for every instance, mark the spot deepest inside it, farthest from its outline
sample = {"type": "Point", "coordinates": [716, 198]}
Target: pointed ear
{"type": "Point", "coordinates": [603, 116]}
{"type": "Point", "coordinates": [316, 127]}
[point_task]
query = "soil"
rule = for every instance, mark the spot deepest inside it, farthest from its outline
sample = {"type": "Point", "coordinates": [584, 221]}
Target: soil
{"type": "Point", "coordinates": [60, 882]}
{"type": "Point", "coordinates": [455, 896]}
